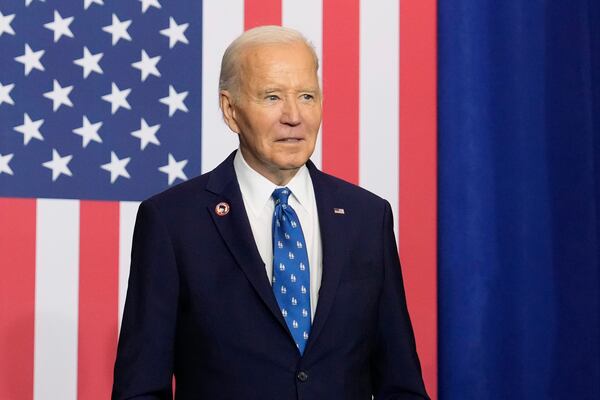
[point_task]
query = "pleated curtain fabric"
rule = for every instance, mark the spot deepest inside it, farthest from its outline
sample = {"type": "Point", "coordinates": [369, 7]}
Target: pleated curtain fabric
{"type": "Point", "coordinates": [519, 199]}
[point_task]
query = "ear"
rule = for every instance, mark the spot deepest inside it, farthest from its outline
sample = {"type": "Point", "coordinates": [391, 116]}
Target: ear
{"type": "Point", "coordinates": [226, 102]}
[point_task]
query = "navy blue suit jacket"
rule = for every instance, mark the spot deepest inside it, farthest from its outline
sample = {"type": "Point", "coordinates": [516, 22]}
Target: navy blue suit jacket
{"type": "Point", "coordinates": [200, 305]}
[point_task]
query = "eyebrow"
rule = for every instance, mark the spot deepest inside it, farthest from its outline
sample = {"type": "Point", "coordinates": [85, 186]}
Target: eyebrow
{"type": "Point", "coordinates": [303, 90]}
{"type": "Point", "coordinates": [310, 89]}
{"type": "Point", "coordinates": [271, 90]}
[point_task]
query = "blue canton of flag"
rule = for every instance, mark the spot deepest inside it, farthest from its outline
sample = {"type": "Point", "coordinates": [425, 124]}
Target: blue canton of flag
{"type": "Point", "coordinates": [99, 99]}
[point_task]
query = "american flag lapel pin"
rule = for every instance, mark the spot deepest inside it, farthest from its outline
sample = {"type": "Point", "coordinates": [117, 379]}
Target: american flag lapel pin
{"type": "Point", "coordinates": [339, 211]}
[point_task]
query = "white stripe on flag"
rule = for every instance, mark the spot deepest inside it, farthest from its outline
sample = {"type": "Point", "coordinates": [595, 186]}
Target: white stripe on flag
{"type": "Point", "coordinates": [379, 100]}
{"type": "Point", "coordinates": [307, 17]}
{"type": "Point", "coordinates": [220, 25]}
{"type": "Point", "coordinates": [127, 214]}
{"type": "Point", "coordinates": [56, 299]}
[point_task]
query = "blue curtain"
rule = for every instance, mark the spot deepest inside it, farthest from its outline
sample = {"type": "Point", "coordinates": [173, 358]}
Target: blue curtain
{"type": "Point", "coordinates": [519, 199]}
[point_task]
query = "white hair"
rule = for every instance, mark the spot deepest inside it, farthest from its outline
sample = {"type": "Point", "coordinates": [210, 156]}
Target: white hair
{"type": "Point", "coordinates": [262, 35]}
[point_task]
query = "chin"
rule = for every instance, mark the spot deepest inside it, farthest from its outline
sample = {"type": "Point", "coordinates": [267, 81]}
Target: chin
{"type": "Point", "coordinates": [288, 166]}
{"type": "Point", "coordinates": [296, 158]}
{"type": "Point", "coordinates": [292, 163]}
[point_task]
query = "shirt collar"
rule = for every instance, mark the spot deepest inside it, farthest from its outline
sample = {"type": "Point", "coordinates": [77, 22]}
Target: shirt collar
{"type": "Point", "coordinates": [257, 189]}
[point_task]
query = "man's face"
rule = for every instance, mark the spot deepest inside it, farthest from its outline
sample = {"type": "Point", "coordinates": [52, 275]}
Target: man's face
{"type": "Point", "coordinates": [277, 110]}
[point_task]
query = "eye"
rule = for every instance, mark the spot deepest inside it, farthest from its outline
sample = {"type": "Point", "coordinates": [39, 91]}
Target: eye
{"type": "Point", "coordinates": [272, 97]}
{"type": "Point", "coordinates": [307, 96]}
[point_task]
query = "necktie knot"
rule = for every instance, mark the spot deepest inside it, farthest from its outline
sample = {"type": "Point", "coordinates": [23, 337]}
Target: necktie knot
{"type": "Point", "coordinates": [281, 195]}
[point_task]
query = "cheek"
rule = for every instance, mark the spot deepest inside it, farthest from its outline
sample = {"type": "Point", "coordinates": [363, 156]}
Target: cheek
{"type": "Point", "coordinates": [313, 118]}
{"type": "Point", "coordinates": [257, 135]}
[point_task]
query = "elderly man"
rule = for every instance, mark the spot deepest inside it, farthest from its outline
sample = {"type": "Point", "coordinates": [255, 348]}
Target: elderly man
{"type": "Point", "coordinates": [266, 278]}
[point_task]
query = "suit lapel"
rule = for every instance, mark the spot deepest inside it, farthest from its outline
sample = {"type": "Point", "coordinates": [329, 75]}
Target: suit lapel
{"type": "Point", "coordinates": [234, 228]}
{"type": "Point", "coordinates": [335, 250]}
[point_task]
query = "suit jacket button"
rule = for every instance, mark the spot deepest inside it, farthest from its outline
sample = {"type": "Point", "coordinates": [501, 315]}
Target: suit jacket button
{"type": "Point", "coordinates": [302, 376]}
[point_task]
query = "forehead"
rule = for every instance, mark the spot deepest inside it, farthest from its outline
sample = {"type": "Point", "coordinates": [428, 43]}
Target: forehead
{"type": "Point", "coordinates": [285, 60]}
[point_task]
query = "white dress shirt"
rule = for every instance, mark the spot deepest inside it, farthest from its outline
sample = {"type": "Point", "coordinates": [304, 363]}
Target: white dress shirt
{"type": "Point", "coordinates": [256, 193]}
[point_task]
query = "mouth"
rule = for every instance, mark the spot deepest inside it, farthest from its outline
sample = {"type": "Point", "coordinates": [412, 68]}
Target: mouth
{"type": "Point", "coordinates": [289, 140]}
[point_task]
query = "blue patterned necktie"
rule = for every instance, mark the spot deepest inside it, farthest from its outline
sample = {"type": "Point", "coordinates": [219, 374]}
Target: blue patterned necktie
{"type": "Point", "coordinates": [291, 278]}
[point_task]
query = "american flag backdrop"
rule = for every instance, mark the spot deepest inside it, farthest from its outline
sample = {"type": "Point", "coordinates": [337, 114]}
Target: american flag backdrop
{"type": "Point", "coordinates": [104, 102]}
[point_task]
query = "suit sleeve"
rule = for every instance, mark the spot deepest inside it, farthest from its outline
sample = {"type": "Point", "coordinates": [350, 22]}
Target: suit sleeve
{"type": "Point", "coordinates": [395, 364]}
{"type": "Point", "coordinates": [144, 364]}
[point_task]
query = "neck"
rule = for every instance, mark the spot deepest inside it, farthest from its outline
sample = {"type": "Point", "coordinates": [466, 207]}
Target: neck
{"type": "Point", "coordinates": [282, 178]}
{"type": "Point", "coordinates": [279, 177]}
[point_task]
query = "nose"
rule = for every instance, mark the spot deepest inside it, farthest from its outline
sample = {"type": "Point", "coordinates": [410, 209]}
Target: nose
{"type": "Point", "coordinates": [290, 114]}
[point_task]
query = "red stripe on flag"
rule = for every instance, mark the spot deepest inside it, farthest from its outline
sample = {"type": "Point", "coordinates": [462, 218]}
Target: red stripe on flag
{"type": "Point", "coordinates": [418, 175]}
{"type": "Point", "coordinates": [341, 88]}
{"type": "Point", "coordinates": [261, 12]}
{"type": "Point", "coordinates": [98, 298]}
{"type": "Point", "coordinates": [17, 297]}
